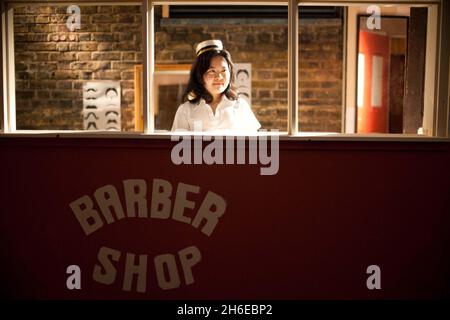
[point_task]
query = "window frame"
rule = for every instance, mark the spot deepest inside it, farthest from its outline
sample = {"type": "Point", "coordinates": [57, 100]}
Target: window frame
{"type": "Point", "coordinates": [437, 121]}
{"type": "Point", "coordinates": [8, 110]}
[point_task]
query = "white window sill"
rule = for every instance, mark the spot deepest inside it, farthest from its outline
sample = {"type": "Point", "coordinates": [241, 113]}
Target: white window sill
{"type": "Point", "coordinates": [283, 136]}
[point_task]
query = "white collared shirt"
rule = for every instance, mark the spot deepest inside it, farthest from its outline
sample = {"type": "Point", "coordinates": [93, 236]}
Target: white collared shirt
{"type": "Point", "coordinates": [230, 115]}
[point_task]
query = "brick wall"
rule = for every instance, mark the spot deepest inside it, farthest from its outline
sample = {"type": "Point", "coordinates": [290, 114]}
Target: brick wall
{"type": "Point", "coordinates": [52, 63]}
{"type": "Point", "coordinates": [320, 75]}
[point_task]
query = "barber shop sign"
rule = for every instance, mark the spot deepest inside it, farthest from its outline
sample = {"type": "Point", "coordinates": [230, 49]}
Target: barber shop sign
{"type": "Point", "coordinates": [104, 207]}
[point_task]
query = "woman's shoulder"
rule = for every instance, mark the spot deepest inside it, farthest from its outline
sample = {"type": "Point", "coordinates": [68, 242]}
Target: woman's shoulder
{"type": "Point", "coordinates": [241, 103]}
{"type": "Point", "coordinates": [186, 106]}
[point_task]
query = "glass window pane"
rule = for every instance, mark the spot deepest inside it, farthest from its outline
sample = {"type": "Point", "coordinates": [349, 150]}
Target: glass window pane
{"type": "Point", "coordinates": [77, 67]}
{"type": "Point", "coordinates": [255, 36]}
{"type": "Point", "coordinates": [321, 46]}
{"type": "Point", "coordinates": [384, 89]}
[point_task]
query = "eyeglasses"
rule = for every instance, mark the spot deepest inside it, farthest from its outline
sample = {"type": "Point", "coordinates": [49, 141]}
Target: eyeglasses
{"type": "Point", "coordinates": [215, 74]}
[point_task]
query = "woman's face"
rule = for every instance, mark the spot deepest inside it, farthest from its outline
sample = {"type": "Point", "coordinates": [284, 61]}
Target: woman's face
{"type": "Point", "coordinates": [217, 78]}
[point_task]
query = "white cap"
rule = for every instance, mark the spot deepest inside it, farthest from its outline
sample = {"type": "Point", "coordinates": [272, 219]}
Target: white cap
{"type": "Point", "coordinates": [208, 45]}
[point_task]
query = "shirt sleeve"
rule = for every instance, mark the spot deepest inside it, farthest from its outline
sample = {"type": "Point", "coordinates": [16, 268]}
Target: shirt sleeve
{"type": "Point", "coordinates": [180, 122]}
{"type": "Point", "coordinates": [249, 121]}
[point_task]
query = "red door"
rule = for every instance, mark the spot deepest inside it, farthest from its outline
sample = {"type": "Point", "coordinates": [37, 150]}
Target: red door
{"type": "Point", "coordinates": [373, 79]}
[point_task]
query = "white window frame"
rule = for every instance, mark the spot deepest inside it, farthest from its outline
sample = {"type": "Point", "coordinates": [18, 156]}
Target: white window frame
{"type": "Point", "coordinates": [435, 103]}
{"type": "Point", "coordinates": [8, 100]}
{"type": "Point", "coordinates": [149, 64]}
{"type": "Point", "coordinates": [436, 118]}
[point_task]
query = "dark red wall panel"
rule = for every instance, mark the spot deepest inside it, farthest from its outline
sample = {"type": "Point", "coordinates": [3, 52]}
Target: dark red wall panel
{"type": "Point", "coordinates": [333, 209]}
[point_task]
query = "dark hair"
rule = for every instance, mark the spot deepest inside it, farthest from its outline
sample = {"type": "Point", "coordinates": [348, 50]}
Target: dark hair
{"type": "Point", "coordinates": [196, 90]}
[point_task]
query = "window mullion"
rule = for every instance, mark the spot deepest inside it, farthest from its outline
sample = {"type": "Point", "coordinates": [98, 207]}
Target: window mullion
{"type": "Point", "coordinates": [292, 67]}
{"type": "Point", "coordinates": [443, 84]}
{"type": "Point", "coordinates": [9, 101]}
{"type": "Point", "coordinates": [4, 110]}
{"type": "Point", "coordinates": [149, 67]}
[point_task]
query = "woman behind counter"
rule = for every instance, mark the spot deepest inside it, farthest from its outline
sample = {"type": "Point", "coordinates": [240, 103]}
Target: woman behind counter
{"type": "Point", "coordinates": [211, 102]}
